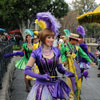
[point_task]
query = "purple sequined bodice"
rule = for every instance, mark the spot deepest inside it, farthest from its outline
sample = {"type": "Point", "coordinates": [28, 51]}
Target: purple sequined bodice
{"type": "Point", "coordinates": [48, 66]}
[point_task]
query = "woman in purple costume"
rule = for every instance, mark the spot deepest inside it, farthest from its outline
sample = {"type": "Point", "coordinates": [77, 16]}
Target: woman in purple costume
{"type": "Point", "coordinates": [48, 85]}
{"type": "Point", "coordinates": [84, 64]}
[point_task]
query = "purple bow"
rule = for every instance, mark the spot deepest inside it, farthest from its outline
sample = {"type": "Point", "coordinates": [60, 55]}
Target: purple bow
{"type": "Point", "coordinates": [60, 85]}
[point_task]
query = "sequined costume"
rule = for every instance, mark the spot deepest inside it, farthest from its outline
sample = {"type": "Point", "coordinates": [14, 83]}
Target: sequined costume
{"type": "Point", "coordinates": [69, 54]}
{"type": "Point", "coordinates": [48, 89]}
{"type": "Point", "coordinates": [36, 70]}
{"type": "Point", "coordinates": [84, 64]}
{"type": "Point", "coordinates": [20, 64]}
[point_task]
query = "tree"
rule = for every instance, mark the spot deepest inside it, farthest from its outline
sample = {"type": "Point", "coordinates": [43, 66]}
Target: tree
{"type": "Point", "coordinates": [59, 8]}
{"type": "Point", "coordinates": [22, 13]}
{"type": "Point", "coordinates": [69, 22]}
{"type": "Point", "coordinates": [92, 30]}
{"type": "Point", "coordinates": [83, 5]}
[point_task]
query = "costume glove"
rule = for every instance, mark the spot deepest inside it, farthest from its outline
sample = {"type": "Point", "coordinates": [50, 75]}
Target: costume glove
{"type": "Point", "coordinates": [85, 74]}
{"type": "Point", "coordinates": [8, 55]}
{"type": "Point", "coordinates": [29, 72]}
{"type": "Point", "coordinates": [62, 71]}
{"type": "Point", "coordinates": [69, 74]}
{"type": "Point", "coordinates": [13, 54]}
{"type": "Point", "coordinates": [19, 53]}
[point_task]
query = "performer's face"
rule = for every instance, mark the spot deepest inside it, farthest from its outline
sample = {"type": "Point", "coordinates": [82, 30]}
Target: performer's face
{"type": "Point", "coordinates": [49, 41]}
{"type": "Point", "coordinates": [74, 42]}
{"type": "Point", "coordinates": [29, 38]}
{"type": "Point", "coordinates": [81, 40]}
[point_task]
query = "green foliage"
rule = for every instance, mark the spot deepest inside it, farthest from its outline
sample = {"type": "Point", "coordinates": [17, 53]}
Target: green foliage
{"type": "Point", "coordinates": [59, 8]}
{"type": "Point", "coordinates": [15, 12]}
{"type": "Point", "coordinates": [83, 5]}
{"type": "Point", "coordinates": [92, 30]}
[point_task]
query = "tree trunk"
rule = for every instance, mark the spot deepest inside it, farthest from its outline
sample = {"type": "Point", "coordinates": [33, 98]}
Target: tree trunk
{"type": "Point", "coordinates": [25, 25]}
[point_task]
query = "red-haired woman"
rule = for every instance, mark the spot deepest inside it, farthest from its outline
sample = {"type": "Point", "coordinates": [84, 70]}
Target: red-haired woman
{"type": "Point", "coordinates": [48, 85]}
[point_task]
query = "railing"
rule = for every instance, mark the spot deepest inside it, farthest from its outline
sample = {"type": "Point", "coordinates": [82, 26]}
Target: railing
{"type": "Point", "coordinates": [92, 47]}
{"type": "Point", "coordinates": [90, 40]}
{"type": "Point", "coordinates": [5, 47]}
{"type": "Point", "coordinates": [92, 44]}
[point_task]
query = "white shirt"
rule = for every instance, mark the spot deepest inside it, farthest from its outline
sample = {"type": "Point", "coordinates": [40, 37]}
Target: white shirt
{"type": "Point", "coordinates": [60, 40]}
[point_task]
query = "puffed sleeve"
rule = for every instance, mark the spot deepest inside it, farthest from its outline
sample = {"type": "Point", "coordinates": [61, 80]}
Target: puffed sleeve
{"type": "Point", "coordinates": [33, 54]}
{"type": "Point", "coordinates": [57, 52]}
{"type": "Point", "coordinates": [24, 45]}
{"type": "Point", "coordinates": [36, 54]}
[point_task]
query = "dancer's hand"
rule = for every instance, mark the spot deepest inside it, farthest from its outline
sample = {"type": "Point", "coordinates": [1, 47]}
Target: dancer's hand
{"type": "Point", "coordinates": [92, 64]}
{"type": "Point", "coordinates": [45, 76]}
{"type": "Point", "coordinates": [85, 74]}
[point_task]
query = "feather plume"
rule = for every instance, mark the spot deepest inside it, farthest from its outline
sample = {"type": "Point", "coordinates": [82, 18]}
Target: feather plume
{"type": "Point", "coordinates": [50, 20]}
{"type": "Point", "coordinates": [28, 31]}
{"type": "Point", "coordinates": [81, 31]}
{"type": "Point", "coordinates": [67, 32]}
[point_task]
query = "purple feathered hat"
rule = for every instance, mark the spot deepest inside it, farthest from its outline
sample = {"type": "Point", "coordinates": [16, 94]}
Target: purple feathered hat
{"type": "Point", "coordinates": [50, 20]}
{"type": "Point", "coordinates": [80, 30]}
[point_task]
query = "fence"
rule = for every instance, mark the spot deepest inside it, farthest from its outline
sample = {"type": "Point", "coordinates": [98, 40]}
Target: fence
{"type": "Point", "coordinates": [90, 40]}
{"type": "Point", "coordinates": [91, 43]}
{"type": "Point", "coordinates": [5, 47]}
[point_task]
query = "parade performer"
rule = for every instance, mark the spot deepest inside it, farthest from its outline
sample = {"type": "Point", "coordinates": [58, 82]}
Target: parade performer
{"type": "Point", "coordinates": [36, 41]}
{"type": "Point", "coordinates": [36, 44]}
{"type": "Point", "coordinates": [25, 52]}
{"type": "Point", "coordinates": [84, 64]}
{"type": "Point", "coordinates": [98, 56]}
{"type": "Point", "coordinates": [48, 85]}
{"type": "Point", "coordinates": [69, 54]}
{"type": "Point", "coordinates": [27, 49]}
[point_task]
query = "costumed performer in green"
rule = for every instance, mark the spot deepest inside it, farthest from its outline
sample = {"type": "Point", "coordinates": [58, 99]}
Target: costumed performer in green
{"type": "Point", "coordinates": [27, 48]}
{"type": "Point", "coordinates": [69, 54]}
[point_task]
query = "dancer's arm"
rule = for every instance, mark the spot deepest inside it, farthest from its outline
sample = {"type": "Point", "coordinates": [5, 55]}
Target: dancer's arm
{"type": "Point", "coordinates": [63, 71]}
{"type": "Point", "coordinates": [29, 65]}
{"type": "Point", "coordinates": [84, 55]}
{"type": "Point", "coordinates": [92, 55]}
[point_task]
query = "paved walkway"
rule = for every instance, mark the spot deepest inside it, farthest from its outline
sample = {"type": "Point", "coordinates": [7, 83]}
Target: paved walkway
{"type": "Point", "coordinates": [90, 87]}
{"type": "Point", "coordinates": [18, 86]}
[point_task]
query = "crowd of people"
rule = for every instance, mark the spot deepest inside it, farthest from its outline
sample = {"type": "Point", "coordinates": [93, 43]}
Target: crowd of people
{"type": "Point", "coordinates": [45, 55]}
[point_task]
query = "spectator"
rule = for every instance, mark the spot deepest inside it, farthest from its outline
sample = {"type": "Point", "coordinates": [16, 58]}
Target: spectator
{"type": "Point", "coordinates": [98, 55]}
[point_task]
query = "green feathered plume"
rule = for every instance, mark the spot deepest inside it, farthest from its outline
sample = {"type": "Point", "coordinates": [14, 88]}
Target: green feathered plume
{"type": "Point", "coordinates": [67, 32]}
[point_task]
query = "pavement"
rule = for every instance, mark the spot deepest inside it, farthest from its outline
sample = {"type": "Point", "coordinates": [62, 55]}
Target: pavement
{"type": "Point", "coordinates": [18, 85]}
{"type": "Point", "coordinates": [90, 86]}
